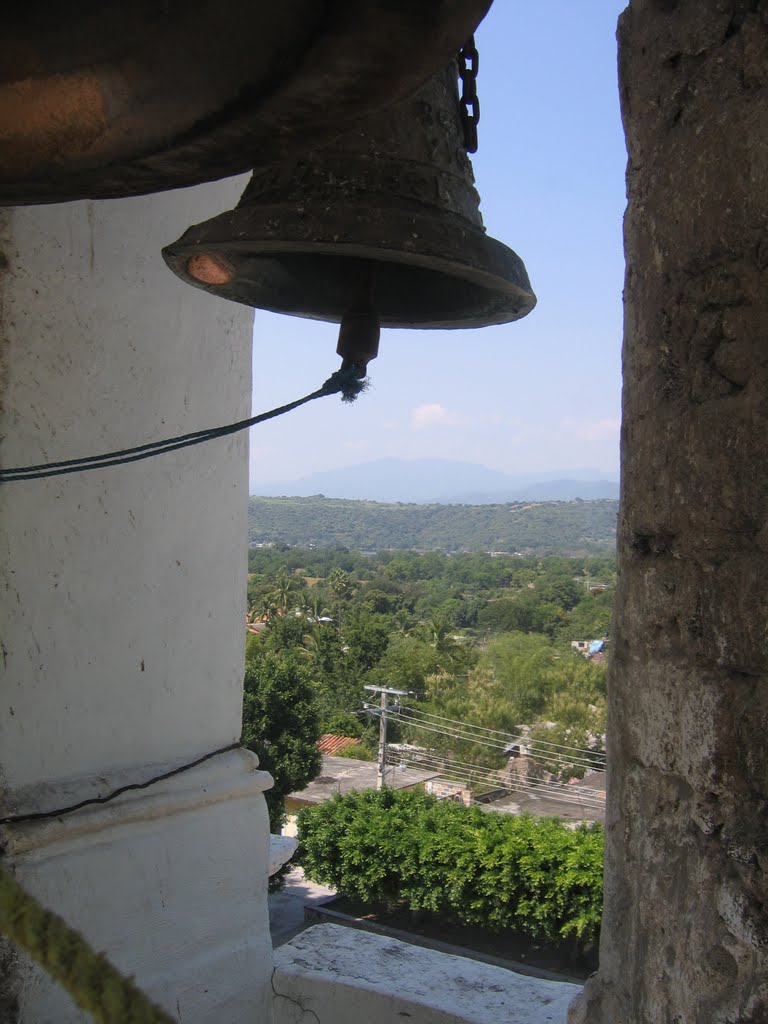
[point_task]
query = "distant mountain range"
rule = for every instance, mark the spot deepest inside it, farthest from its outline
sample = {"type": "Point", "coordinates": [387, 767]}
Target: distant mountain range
{"type": "Point", "coordinates": [444, 481]}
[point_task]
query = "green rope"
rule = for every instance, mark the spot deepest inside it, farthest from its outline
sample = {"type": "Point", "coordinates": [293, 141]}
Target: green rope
{"type": "Point", "coordinates": [90, 979]}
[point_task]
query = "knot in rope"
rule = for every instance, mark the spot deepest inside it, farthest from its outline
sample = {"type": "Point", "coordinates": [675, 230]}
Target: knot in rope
{"type": "Point", "coordinates": [350, 381]}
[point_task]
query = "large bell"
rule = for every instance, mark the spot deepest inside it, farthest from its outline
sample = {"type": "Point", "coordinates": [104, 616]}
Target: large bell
{"type": "Point", "coordinates": [384, 222]}
{"type": "Point", "coordinates": [104, 98]}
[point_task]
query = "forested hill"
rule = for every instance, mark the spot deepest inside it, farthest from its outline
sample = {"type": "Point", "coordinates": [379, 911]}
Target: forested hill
{"type": "Point", "coordinates": [551, 527]}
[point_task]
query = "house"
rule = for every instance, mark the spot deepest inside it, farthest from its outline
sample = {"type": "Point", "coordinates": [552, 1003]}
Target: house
{"type": "Point", "coordinates": [345, 775]}
{"type": "Point", "coordinates": [589, 648]}
{"type": "Point", "coordinates": [330, 744]}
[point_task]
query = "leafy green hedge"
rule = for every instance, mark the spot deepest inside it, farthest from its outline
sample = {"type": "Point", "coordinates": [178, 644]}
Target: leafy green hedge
{"type": "Point", "coordinates": [499, 871]}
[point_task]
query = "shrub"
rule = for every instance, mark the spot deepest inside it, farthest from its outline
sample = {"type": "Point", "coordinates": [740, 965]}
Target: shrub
{"type": "Point", "coordinates": [390, 847]}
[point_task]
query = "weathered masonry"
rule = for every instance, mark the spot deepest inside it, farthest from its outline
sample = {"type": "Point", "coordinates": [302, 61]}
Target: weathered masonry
{"type": "Point", "coordinates": [685, 929]}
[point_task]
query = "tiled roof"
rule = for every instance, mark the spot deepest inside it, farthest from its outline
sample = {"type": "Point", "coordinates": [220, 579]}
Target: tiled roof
{"type": "Point", "coordinates": [330, 744]}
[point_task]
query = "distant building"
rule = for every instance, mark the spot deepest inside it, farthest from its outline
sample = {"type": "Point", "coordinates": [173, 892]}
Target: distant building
{"type": "Point", "coordinates": [443, 789]}
{"type": "Point", "coordinates": [589, 648]}
{"type": "Point", "coordinates": [331, 744]}
{"type": "Point", "coordinates": [346, 775]}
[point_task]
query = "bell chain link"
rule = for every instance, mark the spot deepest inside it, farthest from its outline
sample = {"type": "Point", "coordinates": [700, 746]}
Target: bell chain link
{"type": "Point", "coordinates": [469, 65]}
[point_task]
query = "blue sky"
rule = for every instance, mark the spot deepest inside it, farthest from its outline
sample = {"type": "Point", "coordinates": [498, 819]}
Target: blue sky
{"type": "Point", "coordinates": [543, 393]}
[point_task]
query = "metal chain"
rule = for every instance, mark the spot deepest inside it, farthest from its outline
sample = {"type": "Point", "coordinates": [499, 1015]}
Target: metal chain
{"type": "Point", "coordinates": [469, 65]}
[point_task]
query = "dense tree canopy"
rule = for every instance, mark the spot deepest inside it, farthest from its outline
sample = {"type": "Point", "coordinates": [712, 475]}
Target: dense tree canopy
{"type": "Point", "coordinates": [475, 640]}
{"type": "Point", "coordinates": [472, 638]}
{"type": "Point", "coordinates": [281, 723]}
{"type": "Point", "coordinates": [544, 528]}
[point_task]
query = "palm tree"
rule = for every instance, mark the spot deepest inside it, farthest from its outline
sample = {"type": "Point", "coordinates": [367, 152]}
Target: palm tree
{"type": "Point", "coordinates": [436, 633]}
{"type": "Point", "coordinates": [284, 586]}
{"type": "Point", "coordinates": [340, 584]}
{"type": "Point", "coordinates": [403, 618]}
{"type": "Point", "coordinates": [315, 604]}
{"type": "Point", "coordinates": [309, 646]}
{"type": "Point", "coordinates": [260, 610]}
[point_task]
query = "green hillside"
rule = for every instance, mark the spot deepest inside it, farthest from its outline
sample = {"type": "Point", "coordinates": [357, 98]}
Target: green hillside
{"type": "Point", "coordinates": [543, 528]}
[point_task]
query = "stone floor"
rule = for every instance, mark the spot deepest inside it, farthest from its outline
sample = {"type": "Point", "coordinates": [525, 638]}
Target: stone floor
{"type": "Point", "coordinates": [286, 908]}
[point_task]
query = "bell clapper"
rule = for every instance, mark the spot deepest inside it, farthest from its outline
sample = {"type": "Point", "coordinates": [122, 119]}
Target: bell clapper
{"type": "Point", "coordinates": [360, 326]}
{"type": "Point", "coordinates": [358, 341]}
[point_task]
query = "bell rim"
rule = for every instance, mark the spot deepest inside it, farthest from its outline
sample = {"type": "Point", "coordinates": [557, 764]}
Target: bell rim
{"type": "Point", "coordinates": [471, 255]}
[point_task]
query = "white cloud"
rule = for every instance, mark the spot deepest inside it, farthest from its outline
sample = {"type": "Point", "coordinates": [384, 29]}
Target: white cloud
{"type": "Point", "coordinates": [599, 430]}
{"type": "Point", "coordinates": [592, 430]}
{"type": "Point", "coordinates": [360, 443]}
{"type": "Point", "coordinates": [434, 415]}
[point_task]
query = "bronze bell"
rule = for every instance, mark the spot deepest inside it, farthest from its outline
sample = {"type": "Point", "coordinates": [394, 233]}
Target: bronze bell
{"type": "Point", "coordinates": [104, 98]}
{"type": "Point", "coordinates": [385, 223]}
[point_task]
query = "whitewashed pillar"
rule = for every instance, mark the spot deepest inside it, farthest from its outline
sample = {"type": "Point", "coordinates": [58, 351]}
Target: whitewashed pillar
{"type": "Point", "coordinates": [122, 609]}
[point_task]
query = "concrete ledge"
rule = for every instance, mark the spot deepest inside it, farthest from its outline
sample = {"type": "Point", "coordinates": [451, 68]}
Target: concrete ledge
{"type": "Point", "coordinates": [322, 911]}
{"type": "Point", "coordinates": [281, 849]}
{"type": "Point", "coordinates": [335, 975]}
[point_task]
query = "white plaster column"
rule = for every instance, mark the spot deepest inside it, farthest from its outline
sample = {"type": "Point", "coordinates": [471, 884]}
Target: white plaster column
{"type": "Point", "coordinates": [123, 605]}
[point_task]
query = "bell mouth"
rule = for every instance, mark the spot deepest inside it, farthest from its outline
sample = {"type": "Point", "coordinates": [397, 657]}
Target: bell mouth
{"type": "Point", "coordinates": [426, 272]}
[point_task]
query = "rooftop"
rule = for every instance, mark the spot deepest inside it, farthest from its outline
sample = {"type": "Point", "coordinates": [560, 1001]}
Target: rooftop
{"type": "Point", "coordinates": [580, 801]}
{"type": "Point", "coordinates": [345, 774]}
{"type": "Point", "coordinates": [331, 744]}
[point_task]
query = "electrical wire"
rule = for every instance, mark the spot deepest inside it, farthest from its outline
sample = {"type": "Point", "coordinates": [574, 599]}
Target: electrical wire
{"type": "Point", "coordinates": [510, 737]}
{"type": "Point", "coordinates": [565, 762]}
{"type": "Point", "coordinates": [480, 740]}
{"type": "Point", "coordinates": [593, 758]}
{"type": "Point", "coordinates": [545, 756]}
{"type": "Point", "coordinates": [504, 780]}
{"type": "Point", "coordinates": [533, 787]}
{"type": "Point", "coordinates": [460, 771]}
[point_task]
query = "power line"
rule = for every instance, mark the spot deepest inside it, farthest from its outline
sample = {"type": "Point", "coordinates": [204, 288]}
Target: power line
{"type": "Point", "coordinates": [463, 772]}
{"type": "Point", "coordinates": [544, 756]}
{"type": "Point", "coordinates": [457, 771]}
{"type": "Point", "coordinates": [473, 738]}
{"type": "Point", "coordinates": [510, 737]}
{"type": "Point", "coordinates": [593, 757]}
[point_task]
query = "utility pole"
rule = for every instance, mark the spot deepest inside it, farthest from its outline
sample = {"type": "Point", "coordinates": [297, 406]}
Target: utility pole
{"type": "Point", "coordinates": [384, 707]}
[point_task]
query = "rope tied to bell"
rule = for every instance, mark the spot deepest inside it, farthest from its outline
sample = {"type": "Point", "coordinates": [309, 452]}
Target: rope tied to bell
{"type": "Point", "coordinates": [349, 382]}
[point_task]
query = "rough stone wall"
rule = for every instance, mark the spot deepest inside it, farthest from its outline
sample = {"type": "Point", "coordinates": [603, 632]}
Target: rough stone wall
{"type": "Point", "coordinates": [685, 936]}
